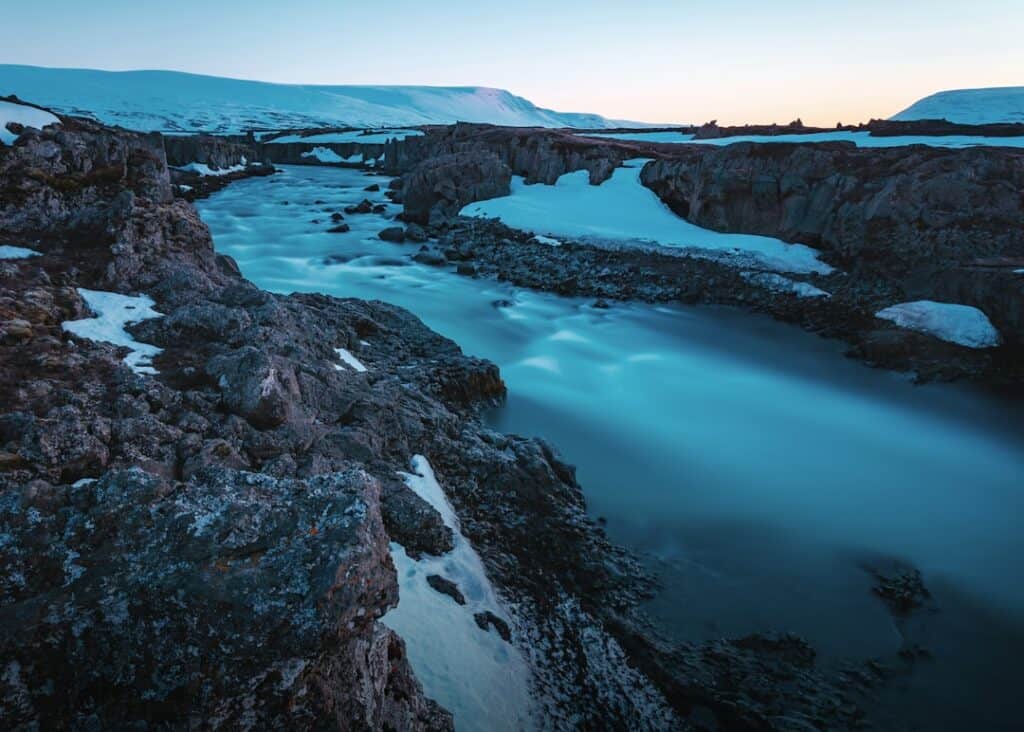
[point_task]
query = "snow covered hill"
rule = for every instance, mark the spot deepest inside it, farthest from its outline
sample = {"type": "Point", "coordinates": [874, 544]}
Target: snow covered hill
{"type": "Point", "coordinates": [970, 106]}
{"type": "Point", "coordinates": [171, 101]}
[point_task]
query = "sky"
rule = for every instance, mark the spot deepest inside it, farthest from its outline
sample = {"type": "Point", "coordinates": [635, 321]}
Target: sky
{"type": "Point", "coordinates": [685, 61]}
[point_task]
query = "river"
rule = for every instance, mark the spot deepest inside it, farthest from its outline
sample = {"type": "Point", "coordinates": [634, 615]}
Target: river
{"type": "Point", "coordinates": [755, 469]}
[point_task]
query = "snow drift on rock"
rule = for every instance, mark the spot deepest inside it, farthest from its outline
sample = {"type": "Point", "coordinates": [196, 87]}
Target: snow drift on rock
{"type": "Point", "coordinates": [205, 170]}
{"type": "Point", "coordinates": [22, 115]}
{"type": "Point", "coordinates": [970, 106]}
{"type": "Point", "coordinates": [113, 313]}
{"type": "Point", "coordinates": [622, 209]}
{"type": "Point", "coordinates": [324, 155]}
{"type": "Point", "coordinates": [171, 101]}
{"type": "Point", "coordinates": [8, 251]}
{"type": "Point", "coordinates": [961, 324]}
{"type": "Point", "coordinates": [475, 674]}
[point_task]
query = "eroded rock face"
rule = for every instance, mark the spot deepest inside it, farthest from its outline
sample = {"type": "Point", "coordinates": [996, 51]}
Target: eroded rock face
{"type": "Point", "coordinates": [216, 152]}
{"type": "Point", "coordinates": [156, 600]}
{"type": "Point", "coordinates": [934, 221]}
{"type": "Point", "coordinates": [465, 163]}
{"type": "Point", "coordinates": [439, 187]}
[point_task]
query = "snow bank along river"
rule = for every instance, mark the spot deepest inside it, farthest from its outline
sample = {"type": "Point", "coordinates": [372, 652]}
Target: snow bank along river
{"type": "Point", "coordinates": [753, 466]}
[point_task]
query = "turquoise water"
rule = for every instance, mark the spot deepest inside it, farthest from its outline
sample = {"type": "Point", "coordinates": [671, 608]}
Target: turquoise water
{"type": "Point", "coordinates": [754, 467]}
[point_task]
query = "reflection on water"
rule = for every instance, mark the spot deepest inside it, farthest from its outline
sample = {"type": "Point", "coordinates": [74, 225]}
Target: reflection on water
{"type": "Point", "coordinates": [753, 465]}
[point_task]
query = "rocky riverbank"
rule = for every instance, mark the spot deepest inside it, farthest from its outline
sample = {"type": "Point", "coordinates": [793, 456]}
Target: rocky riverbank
{"type": "Point", "coordinates": [201, 537]}
{"type": "Point", "coordinates": [898, 225]}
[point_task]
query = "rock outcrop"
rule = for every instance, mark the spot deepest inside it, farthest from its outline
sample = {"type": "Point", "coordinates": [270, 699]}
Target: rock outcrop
{"type": "Point", "coordinates": [939, 224]}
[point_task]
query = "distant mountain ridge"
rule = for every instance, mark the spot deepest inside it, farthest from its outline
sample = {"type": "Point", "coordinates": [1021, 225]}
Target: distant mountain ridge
{"type": "Point", "coordinates": [969, 106]}
{"type": "Point", "coordinates": [174, 101]}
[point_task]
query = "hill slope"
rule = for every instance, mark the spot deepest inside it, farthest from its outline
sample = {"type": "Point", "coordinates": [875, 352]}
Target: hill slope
{"type": "Point", "coordinates": [172, 101]}
{"type": "Point", "coordinates": [970, 106]}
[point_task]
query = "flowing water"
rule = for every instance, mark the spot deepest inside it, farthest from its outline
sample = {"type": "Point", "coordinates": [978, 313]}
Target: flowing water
{"type": "Point", "coordinates": [755, 469]}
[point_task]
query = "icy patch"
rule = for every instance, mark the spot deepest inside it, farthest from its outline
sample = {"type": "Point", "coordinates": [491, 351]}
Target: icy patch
{"type": "Point", "coordinates": [205, 170]}
{"type": "Point", "coordinates": [960, 324]}
{"type": "Point", "coordinates": [546, 240]}
{"type": "Point", "coordinates": [324, 155]}
{"type": "Point", "coordinates": [778, 283]}
{"type": "Point", "coordinates": [377, 137]}
{"type": "Point", "coordinates": [481, 679]}
{"type": "Point", "coordinates": [348, 358]}
{"type": "Point", "coordinates": [22, 115]}
{"type": "Point", "coordinates": [113, 312]}
{"type": "Point", "coordinates": [11, 252]}
{"type": "Point", "coordinates": [622, 209]}
{"type": "Point", "coordinates": [184, 188]}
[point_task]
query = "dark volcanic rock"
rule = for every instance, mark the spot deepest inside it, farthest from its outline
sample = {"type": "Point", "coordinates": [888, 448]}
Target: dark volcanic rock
{"type": "Point", "coordinates": [928, 219]}
{"type": "Point", "coordinates": [902, 589]}
{"type": "Point", "coordinates": [487, 619]}
{"type": "Point", "coordinates": [440, 187]}
{"type": "Point", "coordinates": [178, 601]}
{"type": "Point", "coordinates": [339, 229]}
{"type": "Point", "coordinates": [363, 207]}
{"type": "Point", "coordinates": [446, 587]}
{"type": "Point", "coordinates": [393, 233]}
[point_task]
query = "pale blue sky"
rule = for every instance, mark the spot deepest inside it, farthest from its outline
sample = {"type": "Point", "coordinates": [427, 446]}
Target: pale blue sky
{"type": "Point", "coordinates": [681, 60]}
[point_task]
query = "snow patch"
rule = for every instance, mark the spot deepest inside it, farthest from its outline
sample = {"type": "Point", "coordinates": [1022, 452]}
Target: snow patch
{"type": "Point", "coordinates": [480, 678]}
{"type": "Point", "coordinates": [22, 115]}
{"type": "Point", "coordinates": [324, 155]}
{"type": "Point", "coordinates": [205, 170]}
{"type": "Point", "coordinates": [778, 283]}
{"type": "Point", "coordinates": [348, 358]}
{"type": "Point", "coordinates": [540, 239]}
{"type": "Point", "coordinates": [11, 252]}
{"type": "Point", "coordinates": [351, 360]}
{"type": "Point", "coordinates": [113, 312]}
{"type": "Point", "coordinates": [960, 324]}
{"type": "Point", "coordinates": [622, 209]}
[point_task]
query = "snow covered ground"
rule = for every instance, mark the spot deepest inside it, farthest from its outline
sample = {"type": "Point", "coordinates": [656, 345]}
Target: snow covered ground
{"type": "Point", "coordinates": [480, 678]}
{"type": "Point", "coordinates": [23, 115]}
{"type": "Point", "coordinates": [961, 324]}
{"type": "Point", "coordinates": [860, 139]}
{"type": "Point", "coordinates": [345, 355]}
{"type": "Point", "coordinates": [375, 138]}
{"type": "Point", "coordinates": [324, 155]}
{"type": "Point", "coordinates": [205, 170]}
{"type": "Point", "coordinates": [970, 106]}
{"type": "Point", "coordinates": [113, 312]}
{"type": "Point", "coordinates": [8, 251]}
{"type": "Point", "coordinates": [623, 210]}
{"type": "Point", "coordinates": [171, 101]}
{"type": "Point", "coordinates": [778, 283]}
